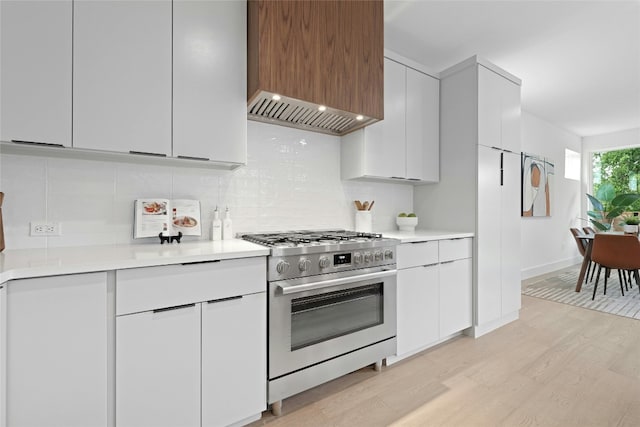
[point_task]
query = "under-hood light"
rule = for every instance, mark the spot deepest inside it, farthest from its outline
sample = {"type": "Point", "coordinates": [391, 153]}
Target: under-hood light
{"type": "Point", "coordinates": [359, 117]}
{"type": "Point", "coordinates": [276, 97]}
{"type": "Point", "coordinates": [322, 108]}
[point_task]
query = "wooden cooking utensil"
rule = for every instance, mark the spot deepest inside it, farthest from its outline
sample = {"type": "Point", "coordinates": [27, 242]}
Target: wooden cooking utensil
{"type": "Point", "coordinates": [371, 205]}
{"type": "Point", "coordinates": [365, 206]}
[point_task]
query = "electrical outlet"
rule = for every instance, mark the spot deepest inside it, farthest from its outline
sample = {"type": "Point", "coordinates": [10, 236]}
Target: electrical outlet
{"type": "Point", "coordinates": [43, 228]}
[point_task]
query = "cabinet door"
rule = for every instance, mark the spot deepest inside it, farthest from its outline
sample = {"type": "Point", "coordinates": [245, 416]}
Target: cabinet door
{"type": "Point", "coordinates": [210, 80]}
{"type": "Point", "coordinates": [488, 238]}
{"type": "Point", "coordinates": [422, 127]}
{"type": "Point", "coordinates": [510, 237]}
{"type": "Point", "coordinates": [36, 71]}
{"type": "Point", "coordinates": [158, 368]}
{"type": "Point", "coordinates": [122, 76]}
{"type": "Point", "coordinates": [418, 308]}
{"type": "Point", "coordinates": [3, 353]}
{"type": "Point", "coordinates": [386, 140]}
{"type": "Point", "coordinates": [57, 351]}
{"type": "Point", "coordinates": [455, 296]}
{"type": "Point", "coordinates": [511, 116]}
{"type": "Point", "coordinates": [234, 359]}
{"type": "Point", "coordinates": [489, 108]}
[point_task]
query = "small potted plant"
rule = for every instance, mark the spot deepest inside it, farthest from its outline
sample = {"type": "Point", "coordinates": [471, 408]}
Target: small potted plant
{"type": "Point", "coordinates": [631, 224]}
{"type": "Point", "coordinates": [407, 222]}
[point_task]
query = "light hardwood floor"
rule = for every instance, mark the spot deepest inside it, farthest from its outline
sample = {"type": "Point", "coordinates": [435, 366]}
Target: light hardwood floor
{"type": "Point", "coordinates": [558, 365]}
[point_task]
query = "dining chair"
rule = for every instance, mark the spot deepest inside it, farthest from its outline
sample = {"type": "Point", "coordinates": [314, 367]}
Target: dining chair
{"type": "Point", "coordinates": [615, 251]}
{"type": "Point", "coordinates": [582, 247]}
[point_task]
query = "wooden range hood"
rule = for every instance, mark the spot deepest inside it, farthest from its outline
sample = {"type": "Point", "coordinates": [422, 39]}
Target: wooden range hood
{"type": "Point", "coordinates": [316, 53]}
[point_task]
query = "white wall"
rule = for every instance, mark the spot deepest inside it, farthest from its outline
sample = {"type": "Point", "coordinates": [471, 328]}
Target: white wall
{"type": "Point", "coordinates": [291, 181]}
{"type": "Point", "coordinates": [547, 244]}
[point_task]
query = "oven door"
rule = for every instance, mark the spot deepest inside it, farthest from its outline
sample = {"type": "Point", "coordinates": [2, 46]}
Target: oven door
{"type": "Point", "coordinates": [315, 319]}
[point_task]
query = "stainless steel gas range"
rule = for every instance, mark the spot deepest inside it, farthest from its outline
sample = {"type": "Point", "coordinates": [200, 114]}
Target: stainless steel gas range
{"type": "Point", "coordinates": [332, 306]}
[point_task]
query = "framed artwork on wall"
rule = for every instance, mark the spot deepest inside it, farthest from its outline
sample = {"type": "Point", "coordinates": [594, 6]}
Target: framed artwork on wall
{"type": "Point", "coordinates": [537, 185]}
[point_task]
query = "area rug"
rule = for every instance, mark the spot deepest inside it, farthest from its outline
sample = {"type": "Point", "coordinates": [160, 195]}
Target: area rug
{"type": "Point", "coordinates": [560, 287]}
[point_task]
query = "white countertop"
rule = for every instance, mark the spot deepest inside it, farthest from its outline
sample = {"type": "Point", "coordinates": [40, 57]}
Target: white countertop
{"type": "Point", "coordinates": [25, 263]}
{"type": "Point", "coordinates": [424, 235]}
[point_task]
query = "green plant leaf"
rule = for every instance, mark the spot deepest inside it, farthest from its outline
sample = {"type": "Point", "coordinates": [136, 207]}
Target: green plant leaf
{"type": "Point", "coordinates": [600, 226]}
{"type": "Point", "coordinates": [606, 193]}
{"type": "Point", "coordinates": [597, 205]}
{"type": "Point", "coordinates": [595, 215]}
{"type": "Point", "coordinates": [625, 200]}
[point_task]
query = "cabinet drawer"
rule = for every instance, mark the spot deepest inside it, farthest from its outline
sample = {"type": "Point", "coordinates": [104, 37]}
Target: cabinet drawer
{"type": "Point", "coordinates": [455, 249]}
{"type": "Point", "coordinates": [150, 288]}
{"type": "Point", "coordinates": [415, 254]}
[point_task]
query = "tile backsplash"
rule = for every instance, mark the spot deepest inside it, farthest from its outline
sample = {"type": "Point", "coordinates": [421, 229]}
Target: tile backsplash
{"type": "Point", "coordinates": [291, 181]}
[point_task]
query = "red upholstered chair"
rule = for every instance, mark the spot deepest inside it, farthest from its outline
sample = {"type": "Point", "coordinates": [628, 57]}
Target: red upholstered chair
{"type": "Point", "coordinates": [615, 251]}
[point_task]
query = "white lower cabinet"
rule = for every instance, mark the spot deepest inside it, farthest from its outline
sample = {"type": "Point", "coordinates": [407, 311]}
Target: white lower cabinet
{"type": "Point", "coordinates": [158, 368]}
{"type": "Point", "coordinates": [434, 293]}
{"type": "Point", "coordinates": [234, 344]}
{"type": "Point", "coordinates": [3, 353]}
{"type": "Point", "coordinates": [56, 353]}
{"type": "Point", "coordinates": [417, 307]}
{"type": "Point", "coordinates": [197, 356]}
{"type": "Point", "coordinates": [456, 301]}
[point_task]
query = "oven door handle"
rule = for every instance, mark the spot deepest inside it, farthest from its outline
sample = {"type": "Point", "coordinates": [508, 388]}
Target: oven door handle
{"type": "Point", "coordinates": [292, 289]}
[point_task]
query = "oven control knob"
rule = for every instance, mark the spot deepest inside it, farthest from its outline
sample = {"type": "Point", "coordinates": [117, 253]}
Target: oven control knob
{"type": "Point", "coordinates": [324, 262]}
{"type": "Point", "coordinates": [282, 267]}
{"type": "Point", "coordinates": [367, 257]}
{"type": "Point", "coordinates": [378, 256]}
{"type": "Point", "coordinates": [388, 254]}
{"type": "Point", "coordinates": [304, 264]}
{"type": "Point", "coordinates": [357, 258]}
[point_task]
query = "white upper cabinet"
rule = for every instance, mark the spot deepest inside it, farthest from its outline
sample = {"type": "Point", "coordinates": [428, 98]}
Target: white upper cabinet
{"type": "Point", "coordinates": [122, 76]}
{"type": "Point", "coordinates": [210, 80]}
{"type": "Point", "coordinates": [384, 141]}
{"type": "Point", "coordinates": [422, 127]}
{"type": "Point", "coordinates": [498, 111]}
{"type": "Point", "coordinates": [405, 145]}
{"type": "Point", "coordinates": [35, 88]}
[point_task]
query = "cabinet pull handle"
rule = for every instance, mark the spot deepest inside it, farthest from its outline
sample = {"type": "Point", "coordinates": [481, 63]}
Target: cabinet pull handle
{"type": "Point", "coordinates": [205, 159]}
{"type": "Point", "coordinates": [46, 144]}
{"type": "Point", "coordinates": [201, 262]}
{"type": "Point", "coordinates": [496, 148]}
{"type": "Point", "coordinates": [213, 301]}
{"type": "Point", "coordinates": [397, 177]}
{"type": "Point", "coordinates": [414, 179]}
{"type": "Point", "coordinates": [448, 262]}
{"type": "Point", "coordinates": [177, 307]}
{"type": "Point", "coordinates": [507, 151]}
{"type": "Point", "coordinates": [430, 265]}
{"type": "Point", "coordinates": [144, 153]}
{"type": "Point", "coordinates": [417, 243]}
{"type": "Point", "coordinates": [501, 169]}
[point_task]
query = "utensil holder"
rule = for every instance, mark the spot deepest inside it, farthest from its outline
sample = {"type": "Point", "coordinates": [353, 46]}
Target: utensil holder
{"type": "Point", "coordinates": [363, 221]}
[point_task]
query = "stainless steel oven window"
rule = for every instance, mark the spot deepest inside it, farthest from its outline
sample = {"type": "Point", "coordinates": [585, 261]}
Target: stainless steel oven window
{"type": "Point", "coordinates": [318, 318]}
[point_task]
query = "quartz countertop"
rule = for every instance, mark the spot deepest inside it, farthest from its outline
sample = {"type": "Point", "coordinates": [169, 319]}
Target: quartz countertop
{"type": "Point", "coordinates": [425, 235]}
{"type": "Point", "coordinates": [27, 263]}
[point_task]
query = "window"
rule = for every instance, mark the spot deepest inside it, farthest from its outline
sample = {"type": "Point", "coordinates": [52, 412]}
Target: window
{"type": "Point", "coordinates": [621, 168]}
{"type": "Point", "coordinates": [571, 164]}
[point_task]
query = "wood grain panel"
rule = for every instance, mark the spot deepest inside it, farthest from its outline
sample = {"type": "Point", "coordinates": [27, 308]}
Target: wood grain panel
{"type": "Point", "coordinates": [325, 52]}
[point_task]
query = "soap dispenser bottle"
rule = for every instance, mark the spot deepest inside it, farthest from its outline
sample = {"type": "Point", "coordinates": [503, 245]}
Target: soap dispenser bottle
{"type": "Point", "coordinates": [216, 226]}
{"type": "Point", "coordinates": [227, 230]}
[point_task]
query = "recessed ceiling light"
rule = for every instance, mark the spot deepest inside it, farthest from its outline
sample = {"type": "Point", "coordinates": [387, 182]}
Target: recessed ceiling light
{"type": "Point", "coordinates": [359, 117]}
{"type": "Point", "coordinates": [276, 97]}
{"type": "Point", "coordinates": [322, 108]}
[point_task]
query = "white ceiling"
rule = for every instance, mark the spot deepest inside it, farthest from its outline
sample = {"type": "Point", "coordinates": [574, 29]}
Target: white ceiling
{"type": "Point", "coordinates": [579, 61]}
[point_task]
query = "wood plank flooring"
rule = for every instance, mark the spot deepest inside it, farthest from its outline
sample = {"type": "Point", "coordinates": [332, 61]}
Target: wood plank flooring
{"type": "Point", "coordinates": [558, 365]}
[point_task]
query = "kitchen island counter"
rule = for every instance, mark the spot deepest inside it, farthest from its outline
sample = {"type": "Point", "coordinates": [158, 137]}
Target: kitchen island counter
{"type": "Point", "coordinates": [28, 263]}
{"type": "Point", "coordinates": [425, 235]}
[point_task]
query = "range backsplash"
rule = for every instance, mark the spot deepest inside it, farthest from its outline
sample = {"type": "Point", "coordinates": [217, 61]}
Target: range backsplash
{"type": "Point", "coordinates": [291, 181]}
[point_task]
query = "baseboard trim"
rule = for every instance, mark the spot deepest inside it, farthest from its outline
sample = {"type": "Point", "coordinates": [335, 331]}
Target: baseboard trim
{"type": "Point", "coordinates": [538, 270]}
